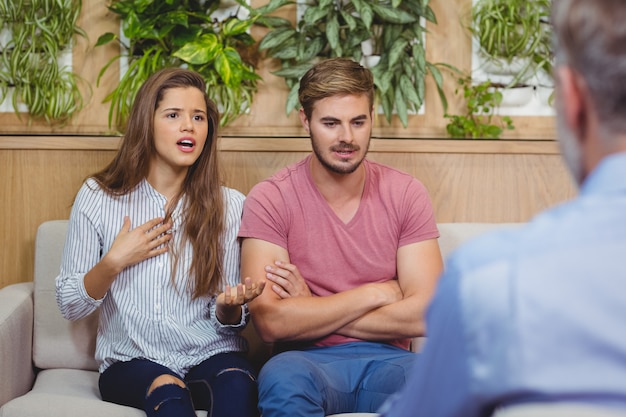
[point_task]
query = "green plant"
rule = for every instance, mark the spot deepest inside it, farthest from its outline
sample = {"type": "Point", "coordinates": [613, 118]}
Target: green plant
{"type": "Point", "coordinates": [477, 121]}
{"type": "Point", "coordinates": [509, 30]}
{"type": "Point", "coordinates": [332, 28]}
{"type": "Point", "coordinates": [160, 34]}
{"type": "Point", "coordinates": [40, 31]}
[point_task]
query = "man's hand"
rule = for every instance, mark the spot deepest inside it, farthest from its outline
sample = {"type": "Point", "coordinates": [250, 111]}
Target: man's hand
{"type": "Point", "coordinates": [228, 303]}
{"type": "Point", "coordinates": [287, 280]}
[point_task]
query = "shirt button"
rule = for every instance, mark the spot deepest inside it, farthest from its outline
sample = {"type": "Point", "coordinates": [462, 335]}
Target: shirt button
{"type": "Point", "coordinates": [157, 306]}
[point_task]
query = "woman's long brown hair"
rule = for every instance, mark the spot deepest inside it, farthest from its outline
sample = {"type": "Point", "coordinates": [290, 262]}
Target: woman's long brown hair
{"type": "Point", "coordinates": [203, 212]}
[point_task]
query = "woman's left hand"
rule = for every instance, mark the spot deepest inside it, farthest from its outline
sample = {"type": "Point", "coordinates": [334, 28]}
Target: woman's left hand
{"type": "Point", "coordinates": [230, 301]}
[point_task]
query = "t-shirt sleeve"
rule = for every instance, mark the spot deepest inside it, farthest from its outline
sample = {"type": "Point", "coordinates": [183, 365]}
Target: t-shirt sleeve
{"type": "Point", "coordinates": [417, 216]}
{"type": "Point", "coordinates": [265, 215]}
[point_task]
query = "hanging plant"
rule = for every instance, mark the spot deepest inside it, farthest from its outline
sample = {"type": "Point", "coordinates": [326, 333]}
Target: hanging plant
{"type": "Point", "coordinates": [514, 36]}
{"type": "Point", "coordinates": [38, 33]}
{"type": "Point", "coordinates": [159, 34]}
{"type": "Point", "coordinates": [343, 28]}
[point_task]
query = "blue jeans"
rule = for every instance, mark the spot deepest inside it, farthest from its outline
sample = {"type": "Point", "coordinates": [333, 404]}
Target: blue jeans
{"type": "Point", "coordinates": [353, 377]}
{"type": "Point", "coordinates": [224, 384]}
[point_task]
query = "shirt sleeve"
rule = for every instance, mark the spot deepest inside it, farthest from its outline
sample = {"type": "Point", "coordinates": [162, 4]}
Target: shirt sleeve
{"type": "Point", "coordinates": [232, 259]}
{"type": "Point", "coordinates": [418, 217]}
{"type": "Point", "coordinates": [441, 384]}
{"type": "Point", "coordinates": [82, 251]}
{"type": "Point", "coordinates": [265, 215]}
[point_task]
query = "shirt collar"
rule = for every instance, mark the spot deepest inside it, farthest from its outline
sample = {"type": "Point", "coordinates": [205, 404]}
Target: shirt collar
{"type": "Point", "coordinates": [608, 177]}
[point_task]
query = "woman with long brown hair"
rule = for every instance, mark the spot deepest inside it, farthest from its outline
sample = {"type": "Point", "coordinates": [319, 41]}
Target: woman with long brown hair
{"type": "Point", "coordinates": [152, 243]}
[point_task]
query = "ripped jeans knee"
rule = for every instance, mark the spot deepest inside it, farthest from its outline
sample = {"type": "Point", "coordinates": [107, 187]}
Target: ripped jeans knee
{"type": "Point", "coordinates": [246, 372]}
{"type": "Point", "coordinates": [169, 400]}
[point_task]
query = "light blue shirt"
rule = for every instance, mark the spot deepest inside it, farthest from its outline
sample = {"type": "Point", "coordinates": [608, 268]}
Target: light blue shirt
{"type": "Point", "coordinates": [531, 314]}
{"type": "Point", "coordinates": [144, 315]}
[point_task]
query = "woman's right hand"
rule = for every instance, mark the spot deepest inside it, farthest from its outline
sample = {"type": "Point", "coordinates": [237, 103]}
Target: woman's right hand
{"type": "Point", "coordinates": [132, 246]}
{"type": "Point", "coordinates": [129, 247]}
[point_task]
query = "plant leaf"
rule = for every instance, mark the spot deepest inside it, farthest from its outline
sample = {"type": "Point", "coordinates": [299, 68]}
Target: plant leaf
{"type": "Point", "coordinates": [277, 37]}
{"type": "Point", "coordinates": [292, 99]}
{"type": "Point", "coordinates": [365, 11]}
{"type": "Point", "coordinates": [106, 38]}
{"type": "Point", "coordinates": [332, 34]}
{"type": "Point", "coordinates": [200, 52]}
{"type": "Point", "coordinates": [397, 51]}
{"type": "Point", "coordinates": [234, 26]}
{"type": "Point", "coordinates": [392, 15]}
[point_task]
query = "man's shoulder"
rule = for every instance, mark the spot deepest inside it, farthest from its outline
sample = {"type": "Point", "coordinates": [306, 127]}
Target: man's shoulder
{"type": "Point", "coordinates": [394, 181]}
{"type": "Point", "coordinates": [281, 179]}
{"type": "Point", "coordinates": [387, 172]}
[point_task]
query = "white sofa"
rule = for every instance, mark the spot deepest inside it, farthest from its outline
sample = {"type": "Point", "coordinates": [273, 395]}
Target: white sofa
{"type": "Point", "coordinates": [46, 362]}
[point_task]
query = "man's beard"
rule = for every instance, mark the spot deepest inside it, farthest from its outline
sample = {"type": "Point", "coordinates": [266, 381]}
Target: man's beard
{"type": "Point", "coordinates": [570, 149]}
{"type": "Point", "coordinates": [338, 168]}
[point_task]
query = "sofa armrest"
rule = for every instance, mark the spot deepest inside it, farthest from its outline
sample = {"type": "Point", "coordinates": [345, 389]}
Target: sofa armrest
{"type": "Point", "coordinates": [16, 341]}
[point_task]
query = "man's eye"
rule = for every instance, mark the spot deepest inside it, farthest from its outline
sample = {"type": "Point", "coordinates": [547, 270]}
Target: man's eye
{"type": "Point", "coordinates": [330, 124]}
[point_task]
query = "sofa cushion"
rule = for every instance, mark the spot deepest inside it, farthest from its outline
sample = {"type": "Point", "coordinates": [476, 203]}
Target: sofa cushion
{"type": "Point", "coordinates": [16, 319]}
{"type": "Point", "coordinates": [57, 342]}
{"type": "Point", "coordinates": [453, 234]}
{"type": "Point", "coordinates": [67, 392]}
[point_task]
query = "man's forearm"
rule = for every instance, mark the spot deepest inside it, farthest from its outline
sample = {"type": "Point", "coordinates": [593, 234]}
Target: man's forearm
{"type": "Point", "coordinates": [309, 318]}
{"type": "Point", "coordinates": [403, 319]}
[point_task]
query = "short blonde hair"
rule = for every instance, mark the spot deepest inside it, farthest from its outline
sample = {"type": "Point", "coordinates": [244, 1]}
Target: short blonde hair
{"type": "Point", "coordinates": [332, 77]}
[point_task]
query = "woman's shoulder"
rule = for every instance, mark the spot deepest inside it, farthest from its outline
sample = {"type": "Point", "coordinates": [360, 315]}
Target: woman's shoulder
{"type": "Point", "coordinates": [231, 194]}
{"type": "Point", "coordinates": [90, 189]}
{"type": "Point", "coordinates": [233, 199]}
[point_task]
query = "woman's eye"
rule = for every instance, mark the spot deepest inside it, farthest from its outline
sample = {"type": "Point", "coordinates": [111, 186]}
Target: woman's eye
{"type": "Point", "coordinates": [172, 115]}
{"type": "Point", "coordinates": [199, 117]}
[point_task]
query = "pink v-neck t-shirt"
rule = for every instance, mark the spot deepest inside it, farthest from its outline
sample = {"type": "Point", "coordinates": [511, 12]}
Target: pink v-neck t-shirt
{"type": "Point", "coordinates": [289, 211]}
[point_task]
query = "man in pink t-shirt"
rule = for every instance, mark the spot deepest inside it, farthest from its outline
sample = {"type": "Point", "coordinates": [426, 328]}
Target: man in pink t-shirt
{"type": "Point", "coordinates": [349, 248]}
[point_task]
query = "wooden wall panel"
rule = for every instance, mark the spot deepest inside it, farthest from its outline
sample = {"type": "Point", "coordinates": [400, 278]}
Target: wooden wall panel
{"type": "Point", "coordinates": [486, 187]}
{"type": "Point", "coordinates": [37, 185]}
{"type": "Point", "coordinates": [485, 181]}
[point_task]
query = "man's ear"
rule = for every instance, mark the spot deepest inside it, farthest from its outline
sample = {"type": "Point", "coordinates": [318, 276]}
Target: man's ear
{"type": "Point", "coordinates": [304, 120]}
{"type": "Point", "coordinates": [575, 100]}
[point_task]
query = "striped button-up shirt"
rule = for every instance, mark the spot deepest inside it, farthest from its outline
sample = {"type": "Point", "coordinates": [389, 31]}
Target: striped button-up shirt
{"type": "Point", "coordinates": [145, 314]}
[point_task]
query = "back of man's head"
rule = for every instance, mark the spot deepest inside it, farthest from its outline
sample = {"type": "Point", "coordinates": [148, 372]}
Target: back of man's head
{"type": "Point", "coordinates": [334, 77]}
{"type": "Point", "coordinates": [590, 37]}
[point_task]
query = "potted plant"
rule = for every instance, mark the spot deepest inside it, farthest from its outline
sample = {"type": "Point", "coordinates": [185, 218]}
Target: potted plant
{"type": "Point", "coordinates": [393, 30]}
{"type": "Point", "coordinates": [158, 34]}
{"type": "Point", "coordinates": [513, 37]}
{"type": "Point", "coordinates": [477, 121]}
{"type": "Point", "coordinates": [34, 75]}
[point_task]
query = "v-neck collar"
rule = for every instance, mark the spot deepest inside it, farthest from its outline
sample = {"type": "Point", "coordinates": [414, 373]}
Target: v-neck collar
{"type": "Point", "coordinates": [327, 206]}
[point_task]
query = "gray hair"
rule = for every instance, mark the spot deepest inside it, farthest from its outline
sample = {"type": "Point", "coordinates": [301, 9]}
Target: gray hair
{"type": "Point", "coordinates": [590, 37]}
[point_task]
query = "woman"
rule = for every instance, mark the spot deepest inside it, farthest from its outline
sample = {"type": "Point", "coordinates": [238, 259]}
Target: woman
{"type": "Point", "coordinates": [152, 243]}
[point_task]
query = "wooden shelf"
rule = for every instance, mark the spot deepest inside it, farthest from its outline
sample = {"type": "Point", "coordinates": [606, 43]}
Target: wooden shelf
{"type": "Point", "coordinates": [293, 143]}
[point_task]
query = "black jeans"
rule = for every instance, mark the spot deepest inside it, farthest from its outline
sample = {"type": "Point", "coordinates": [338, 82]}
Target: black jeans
{"type": "Point", "coordinates": [224, 384]}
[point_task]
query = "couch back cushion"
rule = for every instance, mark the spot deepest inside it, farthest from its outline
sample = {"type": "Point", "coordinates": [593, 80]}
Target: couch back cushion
{"type": "Point", "coordinates": [57, 342]}
{"type": "Point", "coordinates": [453, 234]}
